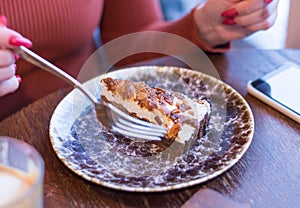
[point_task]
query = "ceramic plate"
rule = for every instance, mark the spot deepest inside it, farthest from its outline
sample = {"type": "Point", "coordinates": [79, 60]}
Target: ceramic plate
{"type": "Point", "coordinates": [114, 161]}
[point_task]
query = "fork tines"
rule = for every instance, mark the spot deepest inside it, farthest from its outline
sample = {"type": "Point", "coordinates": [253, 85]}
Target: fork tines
{"type": "Point", "coordinates": [136, 128]}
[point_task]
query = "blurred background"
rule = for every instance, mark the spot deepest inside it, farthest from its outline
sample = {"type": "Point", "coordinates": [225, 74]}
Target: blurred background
{"type": "Point", "coordinates": [283, 34]}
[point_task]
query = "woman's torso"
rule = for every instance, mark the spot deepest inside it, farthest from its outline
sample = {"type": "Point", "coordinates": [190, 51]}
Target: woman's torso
{"type": "Point", "coordinates": [57, 28]}
{"type": "Point", "coordinates": [61, 31]}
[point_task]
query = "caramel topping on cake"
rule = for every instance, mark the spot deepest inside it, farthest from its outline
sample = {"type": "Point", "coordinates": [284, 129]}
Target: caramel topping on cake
{"type": "Point", "coordinates": [166, 108]}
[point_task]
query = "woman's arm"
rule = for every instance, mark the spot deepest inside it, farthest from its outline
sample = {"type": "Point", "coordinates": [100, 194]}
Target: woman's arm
{"type": "Point", "coordinates": [206, 25]}
{"type": "Point", "coordinates": [124, 17]}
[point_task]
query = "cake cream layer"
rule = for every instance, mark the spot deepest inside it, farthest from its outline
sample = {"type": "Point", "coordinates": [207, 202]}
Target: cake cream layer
{"type": "Point", "coordinates": [180, 114]}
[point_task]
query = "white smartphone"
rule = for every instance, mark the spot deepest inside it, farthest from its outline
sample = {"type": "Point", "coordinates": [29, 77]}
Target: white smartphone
{"type": "Point", "coordinates": [280, 89]}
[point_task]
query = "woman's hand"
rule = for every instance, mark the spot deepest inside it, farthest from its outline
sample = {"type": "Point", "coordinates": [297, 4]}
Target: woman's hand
{"type": "Point", "coordinates": [9, 40]}
{"type": "Point", "coordinates": [220, 22]}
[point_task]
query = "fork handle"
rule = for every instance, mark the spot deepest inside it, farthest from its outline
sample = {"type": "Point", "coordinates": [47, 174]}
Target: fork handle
{"type": "Point", "coordinates": [40, 62]}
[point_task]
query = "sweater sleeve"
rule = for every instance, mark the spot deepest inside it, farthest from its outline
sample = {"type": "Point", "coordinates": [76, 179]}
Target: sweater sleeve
{"type": "Point", "coordinates": [123, 17]}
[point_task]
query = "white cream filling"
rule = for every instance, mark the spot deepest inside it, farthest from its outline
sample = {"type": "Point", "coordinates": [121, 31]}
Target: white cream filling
{"type": "Point", "coordinates": [197, 112]}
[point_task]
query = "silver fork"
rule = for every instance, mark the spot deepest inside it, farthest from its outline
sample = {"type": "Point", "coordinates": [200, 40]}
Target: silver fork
{"type": "Point", "coordinates": [108, 115]}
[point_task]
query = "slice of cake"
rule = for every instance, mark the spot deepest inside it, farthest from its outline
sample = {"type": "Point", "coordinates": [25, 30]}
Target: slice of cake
{"type": "Point", "coordinates": [182, 116]}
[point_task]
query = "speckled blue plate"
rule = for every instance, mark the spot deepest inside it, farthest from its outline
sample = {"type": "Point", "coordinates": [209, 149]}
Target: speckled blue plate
{"type": "Point", "coordinates": [114, 161]}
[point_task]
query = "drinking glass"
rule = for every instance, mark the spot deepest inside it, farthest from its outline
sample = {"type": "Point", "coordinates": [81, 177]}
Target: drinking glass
{"type": "Point", "coordinates": [21, 174]}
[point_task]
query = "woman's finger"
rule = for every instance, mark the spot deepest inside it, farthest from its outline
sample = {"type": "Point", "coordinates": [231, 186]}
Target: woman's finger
{"type": "Point", "coordinates": [7, 72]}
{"type": "Point", "coordinates": [10, 38]}
{"type": "Point", "coordinates": [9, 85]}
{"type": "Point", "coordinates": [264, 25]}
{"type": "Point", "coordinates": [253, 18]}
{"type": "Point", "coordinates": [247, 7]}
{"type": "Point", "coordinates": [7, 58]}
{"type": "Point", "coordinates": [257, 16]}
{"type": "Point", "coordinates": [5, 34]}
{"type": "Point", "coordinates": [3, 20]}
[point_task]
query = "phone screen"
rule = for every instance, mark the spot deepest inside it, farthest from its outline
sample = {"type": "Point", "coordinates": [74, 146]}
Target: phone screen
{"type": "Point", "coordinates": [283, 86]}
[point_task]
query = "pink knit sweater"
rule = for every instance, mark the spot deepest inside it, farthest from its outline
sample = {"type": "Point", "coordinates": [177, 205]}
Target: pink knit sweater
{"type": "Point", "coordinates": [62, 31]}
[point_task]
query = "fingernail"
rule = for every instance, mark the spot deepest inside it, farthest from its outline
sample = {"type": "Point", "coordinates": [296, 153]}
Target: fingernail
{"type": "Point", "coordinates": [229, 21]}
{"type": "Point", "coordinates": [268, 1]}
{"type": "Point", "coordinates": [15, 66]}
{"type": "Point", "coordinates": [3, 20]}
{"type": "Point", "coordinates": [230, 13]}
{"type": "Point", "coordinates": [20, 41]}
{"type": "Point", "coordinates": [19, 78]}
{"type": "Point", "coordinates": [16, 56]}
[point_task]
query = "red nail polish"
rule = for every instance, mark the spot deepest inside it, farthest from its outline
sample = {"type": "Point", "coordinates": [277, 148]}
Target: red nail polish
{"type": "Point", "coordinates": [229, 21]}
{"type": "Point", "coordinates": [19, 78]}
{"type": "Point", "coordinates": [3, 20]}
{"type": "Point", "coordinates": [230, 13]}
{"type": "Point", "coordinates": [16, 56]}
{"type": "Point", "coordinates": [268, 1]}
{"type": "Point", "coordinates": [20, 41]}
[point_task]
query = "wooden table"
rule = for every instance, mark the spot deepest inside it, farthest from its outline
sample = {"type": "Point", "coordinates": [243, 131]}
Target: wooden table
{"type": "Point", "coordinates": [268, 175]}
